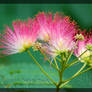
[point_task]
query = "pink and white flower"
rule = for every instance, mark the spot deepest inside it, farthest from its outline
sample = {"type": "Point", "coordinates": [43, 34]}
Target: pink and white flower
{"type": "Point", "coordinates": [20, 38]}
{"type": "Point", "coordinates": [61, 35]}
{"type": "Point", "coordinates": [44, 22]}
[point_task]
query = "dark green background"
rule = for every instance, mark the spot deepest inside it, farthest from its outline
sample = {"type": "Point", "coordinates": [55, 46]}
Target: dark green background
{"type": "Point", "coordinates": [19, 70]}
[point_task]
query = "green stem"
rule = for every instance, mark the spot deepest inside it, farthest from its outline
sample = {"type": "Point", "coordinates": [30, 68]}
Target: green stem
{"type": "Point", "coordinates": [56, 64]}
{"type": "Point", "coordinates": [60, 76]}
{"type": "Point", "coordinates": [41, 68]}
{"type": "Point", "coordinates": [72, 63]}
{"type": "Point", "coordinates": [48, 59]}
{"type": "Point", "coordinates": [76, 59]}
{"type": "Point", "coordinates": [86, 70]}
{"type": "Point", "coordinates": [60, 81]}
{"type": "Point", "coordinates": [62, 85]}
{"type": "Point", "coordinates": [64, 64]}
{"type": "Point", "coordinates": [76, 74]}
{"type": "Point", "coordinates": [69, 56]}
{"type": "Point", "coordinates": [59, 60]}
{"type": "Point", "coordinates": [66, 81]}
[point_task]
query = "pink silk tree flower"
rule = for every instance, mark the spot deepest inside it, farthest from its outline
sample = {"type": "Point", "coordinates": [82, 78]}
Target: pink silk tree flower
{"type": "Point", "coordinates": [82, 47]}
{"type": "Point", "coordinates": [44, 22]}
{"type": "Point", "coordinates": [23, 35]}
{"type": "Point", "coordinates": [61, 37]}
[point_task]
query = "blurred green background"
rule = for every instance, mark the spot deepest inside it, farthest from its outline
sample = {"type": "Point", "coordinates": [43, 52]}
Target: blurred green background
{"type": "Point", "coordinates": [19, 70]}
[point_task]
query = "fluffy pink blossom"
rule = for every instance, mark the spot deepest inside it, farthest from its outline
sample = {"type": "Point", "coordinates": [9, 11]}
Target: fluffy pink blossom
{"type": "Point", "coordinates": [62, 31]}
{"type": "Point", "coordinates": [44, 22]}
{"type": "Point", "coordinates": [20, 38]}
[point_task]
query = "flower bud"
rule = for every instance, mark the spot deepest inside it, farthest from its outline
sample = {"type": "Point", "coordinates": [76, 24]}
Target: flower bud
{"type": "Point", "coordinates": [36, 46]}
{"type": "Point", "coordinates": [79, 37]}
